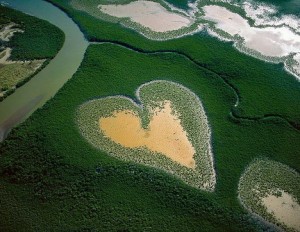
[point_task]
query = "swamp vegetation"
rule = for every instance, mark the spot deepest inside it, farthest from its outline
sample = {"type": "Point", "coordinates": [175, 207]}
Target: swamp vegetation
{"type": "Point", "coordinates": [53, 179]}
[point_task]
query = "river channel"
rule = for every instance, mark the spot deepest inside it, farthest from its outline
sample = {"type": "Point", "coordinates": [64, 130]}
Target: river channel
{"type": "Point", "coordinates": [43, 86]}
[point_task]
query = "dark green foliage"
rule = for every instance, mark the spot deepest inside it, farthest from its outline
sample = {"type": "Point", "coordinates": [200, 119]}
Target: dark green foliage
{"type": "Point", "coordinates": [183, 4]}
{"type": "Point", "coordinates": [48, 169]}
{"type": "Point", "coordinates": [65, 174]}
{"type": "Point", "coordinates": [40, 40]}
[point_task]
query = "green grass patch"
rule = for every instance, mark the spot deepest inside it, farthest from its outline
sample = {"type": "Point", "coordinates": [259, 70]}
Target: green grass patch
{"type": "Point", "coordinates": [12, 74]}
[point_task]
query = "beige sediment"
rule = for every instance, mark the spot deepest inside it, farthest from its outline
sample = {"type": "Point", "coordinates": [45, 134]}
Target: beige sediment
{"type": "Point", "coordinates": [164, 134]}
{"type": "Point", "coordinates": [5, 54]}
{"type": "Point", "coordinates": [148, 14]}
{"type": "Point", "coordinates": [185, 108]}
{"type": "Point", "coordinates": [284, 208]}
{"type": "Point", "coordinates": [274, 42]}
{"type": "Point", "coordinates": [8, 31]}
{"type": "Point", "coordinates": [5, 35]}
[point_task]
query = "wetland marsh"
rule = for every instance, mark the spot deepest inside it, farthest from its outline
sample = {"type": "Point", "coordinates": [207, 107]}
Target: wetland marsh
{"type": "Point", "coordinates": [171, 130]}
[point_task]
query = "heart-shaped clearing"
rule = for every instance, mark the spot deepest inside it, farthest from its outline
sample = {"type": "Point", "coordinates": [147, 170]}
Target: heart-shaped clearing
{"type": "Point", "coordinates": [169, 131]}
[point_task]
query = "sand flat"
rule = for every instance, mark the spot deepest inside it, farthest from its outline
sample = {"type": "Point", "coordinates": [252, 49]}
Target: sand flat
{"type": "Point", "coordinates": [164, 133]}
{"type": "Point", "coordinates": [285, 209]}
{"type": "Point", "coordinates": [269, 41]}
{"type": "Point", "coordinates": [149, 14]}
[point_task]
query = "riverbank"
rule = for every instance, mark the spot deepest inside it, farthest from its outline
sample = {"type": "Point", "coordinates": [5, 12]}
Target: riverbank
{"type": "Point", "coordinates": [45, 83]}
{"type": "Point", "coordinates": [24, 49]}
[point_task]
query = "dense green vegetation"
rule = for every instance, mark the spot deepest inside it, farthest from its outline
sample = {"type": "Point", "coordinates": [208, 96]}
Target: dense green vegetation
{"type": "Point", "coordinates": [53, 179]}
{"type": "Point", "coordinates": [40, 39]}
{"type": "Point", "coordinates": [64, 172]}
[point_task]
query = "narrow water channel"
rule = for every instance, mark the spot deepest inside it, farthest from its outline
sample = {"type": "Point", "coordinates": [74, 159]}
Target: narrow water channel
{"type": "Point", "coordinates": [26, 99]}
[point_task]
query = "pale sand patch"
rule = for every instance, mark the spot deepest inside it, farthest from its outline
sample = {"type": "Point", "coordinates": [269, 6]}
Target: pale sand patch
{"type": "Point", "coordinates": [269, 41]}
{"type": "Point", "coordinates": [149, 14]}
{"type": "Point", "coordinates": [285, 209]}
{"type": "Point", "coordinates": [5, 55]}
{"type": "Point", "coordinates": [7, 32]}
{"type": "Point", "coordinates": [164, 134]}
{"type": "Point", "coordinates": [297, 66]}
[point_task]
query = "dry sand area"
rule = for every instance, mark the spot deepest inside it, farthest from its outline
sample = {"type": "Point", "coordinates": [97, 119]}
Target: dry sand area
{"type": "Point", "coordinates": [8, 31]}
{"type": "Point", "coordinates": [168, 130]}
{"type": "Point", "coordinates": [285, 209]}
{"type": "Point", "coordinates": [148, 14]}
{"type": "Point", "coordinates": [272, 191]}
{"type": "Point", "coordinates": [164, 134]}
{"type": "Point", "coordinates": [271, 38]}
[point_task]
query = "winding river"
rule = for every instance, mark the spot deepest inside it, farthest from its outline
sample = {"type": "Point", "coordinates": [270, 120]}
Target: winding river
{"type": "Point", "coordinates": [43, 86]}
